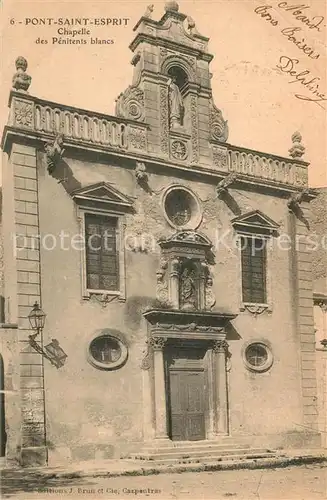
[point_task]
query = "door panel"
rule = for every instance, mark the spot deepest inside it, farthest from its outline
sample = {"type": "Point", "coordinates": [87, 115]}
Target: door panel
{"type": "Point", "coordinates": [187, 405]}
{"type": "Point", "coordinates": [176, 403]}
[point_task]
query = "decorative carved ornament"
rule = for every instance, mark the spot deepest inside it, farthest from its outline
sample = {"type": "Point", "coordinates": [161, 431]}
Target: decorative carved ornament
{"type": "Point", "coordinates": [296, 199]}
{"type": "Point", "coordinates": [146, 360]}
{"type": "Point", "coordinates": [104, 299]}
{"type": "Point", "coordinates": [194, 129]}
{"type": "Point", "coordinates": [191, 327]}
{"type": "Point", "coordinates": [148, 12]}
{"type": "Point", "coordinates": [137, 138]}
{"type": "Point", "coordinates": [224, 184]}
{"type": "Point", "coordinates": [218, 126]}
{"type": "Point", "coordinates": [162, 283]}
{"type": "Point", "coordinates": [220, 158]}
{"type": "Point", "coordinates": [21, 80]}
{"type": "Point", "coordinates": [256, 309]}
{"type": "Point", "coordinates": [23, 114]}
{"type": "Point", "coordinates": [179, 150]}
{"type": "Point", "coordinates": [164, 120]}
{"type": "Point", "coordinates": [297, 150]}
{"type": "Point", "coordinates": [209, 296]}
{"type": "Point", "coordinates": [130, 104]}
{"type": "Point", "coordinates": [322, 304]}
{"type": "Point", "coordinates": [157, 343]}
{"type": "Point", "coordinates": [141, 174]}
{"type": "Point", "coordinates": [187, 236]}
{"type": "Point", "coordinates": [54, 151]}
{"type": "Point", "coordinates": [220, 346]}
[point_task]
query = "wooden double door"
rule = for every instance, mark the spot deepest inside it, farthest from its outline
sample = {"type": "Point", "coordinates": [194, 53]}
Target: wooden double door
{"type": "Point", "coordinates": [187, 395]}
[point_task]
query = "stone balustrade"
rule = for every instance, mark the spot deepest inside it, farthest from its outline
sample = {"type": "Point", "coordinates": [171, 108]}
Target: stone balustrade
{"type": "Point", "coordinates": [30, 113]}
{"type": "Point", "coordinates": [46, 118]}
{"type": "Point", "coordinates": [260, 165]}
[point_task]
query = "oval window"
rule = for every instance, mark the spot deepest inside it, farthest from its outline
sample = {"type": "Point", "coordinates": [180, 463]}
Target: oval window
{"type": "Point", "coordinates": [107, 352]}
{"type": "Point", "coordinates": [181, 208]}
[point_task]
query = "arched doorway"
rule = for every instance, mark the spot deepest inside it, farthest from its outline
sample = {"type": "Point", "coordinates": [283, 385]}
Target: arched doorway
{"type": "Point", "coordinates": [3, 435]}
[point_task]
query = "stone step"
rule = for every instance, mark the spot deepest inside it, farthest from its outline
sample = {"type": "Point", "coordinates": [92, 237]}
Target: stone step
{"type": "Point", "coordinates": [207, 453]}
{"type": "Point", "coordinates": [212, 458]}
{"type": "Point", "coordinates": [195, 447]}
{"type": "Point", "coordinates": [225, 441]}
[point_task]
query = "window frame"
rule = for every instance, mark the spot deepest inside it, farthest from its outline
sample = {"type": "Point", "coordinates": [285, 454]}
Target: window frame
{"type": "Point", "coordinates": [119, 363]}
{"type": "Point", "coordinates": [270, 357]}
{"type": "Point", "coordinates": [196, 216]}
{"type": "Point", "coordinates": [256, 307]}
{"type": "Point", "coordinates": [88, 292]}
{"type": "Point", "coordinates": [264, 269]}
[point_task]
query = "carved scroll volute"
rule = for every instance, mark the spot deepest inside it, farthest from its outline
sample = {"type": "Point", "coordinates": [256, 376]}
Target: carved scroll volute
{"type": "Point", "coordinates": [147, 359]}
{"type": "Point", "coordinates": [152, 344]}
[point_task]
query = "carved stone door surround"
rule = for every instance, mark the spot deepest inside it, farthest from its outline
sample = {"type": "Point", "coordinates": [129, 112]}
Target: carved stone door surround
{"type": "Point", "coordinates": [171, 328]}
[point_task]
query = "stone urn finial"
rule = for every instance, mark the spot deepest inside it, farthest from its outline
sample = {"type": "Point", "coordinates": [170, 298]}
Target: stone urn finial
{"type": "Point", "coordinates": [171, 6]}
{"type": "Point", "coordinates": [297, 150]}
{"type": "Point", "coordinates": [21, 80]}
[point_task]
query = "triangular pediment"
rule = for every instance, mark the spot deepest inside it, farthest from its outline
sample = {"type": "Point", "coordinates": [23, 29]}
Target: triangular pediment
{"type": "Point", "coordinates": [255, 221]}
{"type": "Point", "coordinates": [103, 193]}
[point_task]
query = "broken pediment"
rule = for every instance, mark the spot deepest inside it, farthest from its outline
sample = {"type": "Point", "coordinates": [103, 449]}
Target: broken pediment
{"type": "Point", "coordinates": [186, 238]}
{"type": "Point", "coordinates": [102, 193]}
{"type": "Point", "coordinates": [255, 221]}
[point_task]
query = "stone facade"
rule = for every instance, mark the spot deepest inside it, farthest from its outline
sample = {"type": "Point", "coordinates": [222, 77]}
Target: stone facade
{"type": "Point", "coordinates": [182, 199]}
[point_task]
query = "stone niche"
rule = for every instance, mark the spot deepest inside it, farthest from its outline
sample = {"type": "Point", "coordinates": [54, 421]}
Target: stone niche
{"type": "Point", "coordinates": [184, 279]}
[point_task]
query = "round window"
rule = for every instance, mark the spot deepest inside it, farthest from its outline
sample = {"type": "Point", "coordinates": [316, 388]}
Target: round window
{"type": "Point", "coordinates": [181, 208]}
{"type": "Point", "coordinates": [107, 352]}
{"type": "Point", "coordinates": [258, 357]}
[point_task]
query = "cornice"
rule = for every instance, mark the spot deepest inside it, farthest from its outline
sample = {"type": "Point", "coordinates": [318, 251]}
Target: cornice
{"type": "Point", "coordinates": [40, 138]}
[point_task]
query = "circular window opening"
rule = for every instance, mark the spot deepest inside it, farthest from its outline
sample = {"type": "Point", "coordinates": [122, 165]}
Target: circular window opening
{"type": "Point", "coordinates": [182, 209]}
{"type": "Point", "coordinates": [258, 357]}
{"type": "Point", "coordinates": [107, 352]}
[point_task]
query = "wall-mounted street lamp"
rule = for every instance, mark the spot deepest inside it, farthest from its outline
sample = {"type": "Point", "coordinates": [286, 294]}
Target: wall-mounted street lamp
{"type": "Point", "coordinates": [52, 352]}
{"type": "Point", "coordinates": [37, 318]}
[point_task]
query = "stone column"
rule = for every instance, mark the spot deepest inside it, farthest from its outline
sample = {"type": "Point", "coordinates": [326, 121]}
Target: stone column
{"type": "Point", "coordinates": [157, 345]}
{"type": "Point", "coordinates": [220, 347]}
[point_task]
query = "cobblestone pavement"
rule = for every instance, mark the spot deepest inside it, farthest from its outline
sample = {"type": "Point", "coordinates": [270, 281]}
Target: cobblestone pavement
{"type": "Point", "coordinates": [304, 483]}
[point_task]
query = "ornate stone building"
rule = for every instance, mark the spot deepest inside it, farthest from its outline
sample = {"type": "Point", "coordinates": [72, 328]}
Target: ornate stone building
{"type": "Point", "coordinates": [174, 312]}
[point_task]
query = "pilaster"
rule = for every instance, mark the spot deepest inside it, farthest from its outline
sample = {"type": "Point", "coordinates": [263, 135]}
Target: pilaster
{"type": "Point", "coordinates": [157, 345]}
{"type": "Point", "coordinates": [221, 425]}
{"type": "Point", "coordinates": [26, 239]}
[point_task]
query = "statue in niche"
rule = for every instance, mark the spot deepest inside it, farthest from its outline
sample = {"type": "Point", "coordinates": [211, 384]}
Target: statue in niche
{"type": "Point", "coordinates": [188, 290]}
{"type": "Point", "coordinates": [176, 104]}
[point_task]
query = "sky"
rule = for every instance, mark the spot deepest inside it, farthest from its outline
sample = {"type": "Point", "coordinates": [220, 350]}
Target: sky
{"type": "Point", "coordinates": [254, 48]}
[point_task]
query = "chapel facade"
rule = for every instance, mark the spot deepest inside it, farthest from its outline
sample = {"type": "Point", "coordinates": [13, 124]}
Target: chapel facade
{"type": "Point", "coordinates": [151, 243]}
